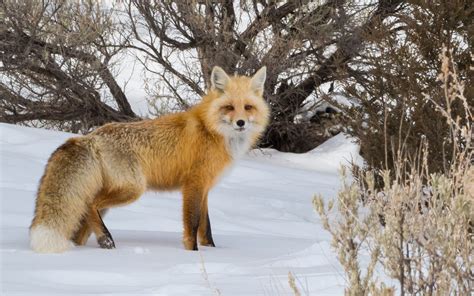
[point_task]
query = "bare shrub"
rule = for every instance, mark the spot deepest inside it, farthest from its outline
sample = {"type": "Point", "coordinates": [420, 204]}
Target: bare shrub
{"type": "Point", "coordinates": [304, 45]}
{"type": "Point", "coordinates": [57, 57]}
{"type": "Point", "coordinates": [395, 87]}
{"type": "Point", "coordinates": [425, 240]}
{"type": "Point", "coordinates": [57, 63]}
{"type": "Point", "coordinates": [57, 66]}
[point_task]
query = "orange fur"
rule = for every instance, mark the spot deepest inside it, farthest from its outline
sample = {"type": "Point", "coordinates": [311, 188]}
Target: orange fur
{"type": "Point", "coordinates": [116, 163]}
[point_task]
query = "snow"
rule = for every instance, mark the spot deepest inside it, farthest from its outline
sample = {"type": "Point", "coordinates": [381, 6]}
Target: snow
{"type": "Point", "coordinates": [261, 213]}
{"type": "Point", "coordinates": [130, 76]}
{"type": "Point", "coordinates": [327, 157]}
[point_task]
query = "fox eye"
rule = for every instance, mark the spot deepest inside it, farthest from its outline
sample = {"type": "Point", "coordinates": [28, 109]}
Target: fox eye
{"type": "Point", "coordinates": [229, 107]}
{"type": "Point", "coordinates": [248, 107]}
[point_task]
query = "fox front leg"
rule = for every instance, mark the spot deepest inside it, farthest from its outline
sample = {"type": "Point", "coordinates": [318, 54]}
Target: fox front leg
{"type": "Point", "coordinates": [205, 232]}
{"type": "Point", "coordinates": [192, 205]}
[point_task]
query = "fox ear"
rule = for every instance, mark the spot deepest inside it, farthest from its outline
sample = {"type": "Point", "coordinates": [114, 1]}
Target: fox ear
{"type": "Point", "coordinates": [219, 78]}
{"type": "Point", "coordinates": [258, 80]}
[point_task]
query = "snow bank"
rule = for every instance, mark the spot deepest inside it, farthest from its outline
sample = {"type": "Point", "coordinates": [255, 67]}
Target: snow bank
{"type": "Point", "coordinates": [327, 157]}
{"type": "Point", "coordinates": [261, 214]}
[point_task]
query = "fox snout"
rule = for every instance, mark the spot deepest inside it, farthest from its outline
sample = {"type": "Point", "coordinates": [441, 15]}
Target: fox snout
{"type": "Point", "coordinates": [237, 121]}
{"type": "Point", "coordinates": [240, 125]}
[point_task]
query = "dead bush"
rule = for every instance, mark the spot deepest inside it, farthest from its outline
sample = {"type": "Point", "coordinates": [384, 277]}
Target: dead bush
{"type": "Point", "coordinates": [395, 87]}
{"type": "Point", "coordinates": [425, 242]}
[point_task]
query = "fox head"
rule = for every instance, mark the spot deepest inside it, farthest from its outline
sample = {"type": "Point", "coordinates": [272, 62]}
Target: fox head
{"type": "Point", "coordinates": [238, 108]}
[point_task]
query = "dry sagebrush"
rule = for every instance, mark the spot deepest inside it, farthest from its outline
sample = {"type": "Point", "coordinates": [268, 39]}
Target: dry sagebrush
{"type": "Point", "coordinates": [418, 228]}
{"type": "Point", "coordinates": [391, 105]}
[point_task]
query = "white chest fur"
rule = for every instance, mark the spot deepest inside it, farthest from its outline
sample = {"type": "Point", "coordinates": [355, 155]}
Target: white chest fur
{"type": "Point", "coordinates": [238, 145]}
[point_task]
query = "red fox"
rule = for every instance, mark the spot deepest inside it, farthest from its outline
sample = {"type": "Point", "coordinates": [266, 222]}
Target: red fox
{"type": "Point", "coordinates": [115, 164]}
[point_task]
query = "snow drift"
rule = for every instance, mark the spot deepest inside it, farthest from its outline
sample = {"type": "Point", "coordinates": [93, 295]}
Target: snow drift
{"type": "Point", "coordinates": [263, 224]}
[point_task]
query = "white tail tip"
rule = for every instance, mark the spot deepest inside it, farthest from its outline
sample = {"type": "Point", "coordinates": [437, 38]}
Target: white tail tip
{"type": "Point", "coordinates": [43, 239]}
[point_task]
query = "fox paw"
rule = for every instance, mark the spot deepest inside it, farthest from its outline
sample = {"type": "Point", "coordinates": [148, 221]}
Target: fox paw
{"type": "Point", "coordinates": [106, 242]}
{"type": "Point", "coordinates": [208, 244]}
{"type": "Point", "coordinates": [190, 245]}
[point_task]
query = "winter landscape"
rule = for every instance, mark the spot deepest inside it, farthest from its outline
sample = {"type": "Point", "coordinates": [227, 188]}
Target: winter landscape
{"type": "Point", "coordinates": [351, 123]}
{"type": "Point", "coordinates": [264, 227]}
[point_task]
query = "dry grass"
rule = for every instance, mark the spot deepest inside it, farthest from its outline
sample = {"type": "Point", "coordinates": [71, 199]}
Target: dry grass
{"type": "Point", "coordinates": [417, 228]}
{"type": "Point", "coordinates": [292, 283]}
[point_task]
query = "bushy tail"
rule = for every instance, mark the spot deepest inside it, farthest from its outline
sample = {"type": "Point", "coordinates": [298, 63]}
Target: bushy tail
{"type": "Point", "coordinates": [71, 180]}
{"type": "Point", "coordinates": [44, 239]}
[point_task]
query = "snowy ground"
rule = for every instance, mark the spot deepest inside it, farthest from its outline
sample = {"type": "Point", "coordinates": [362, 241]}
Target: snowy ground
{"type": "Point", "coordinates": [262, 220]}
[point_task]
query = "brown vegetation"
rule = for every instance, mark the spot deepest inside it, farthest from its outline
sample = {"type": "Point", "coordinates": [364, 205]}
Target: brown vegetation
{"type": "Point", "coordinates": [57, 56]}
{"type": "Point", "coordinates": [56, 68]}
{"type": "Point", "coordinates": [397, 93]}
{"type": "Point", "coordinates": [425, 242]}
{"type": "Point", "coordinates": [58, 64]}
{"type": "Point", "coordinates": [303, 43]}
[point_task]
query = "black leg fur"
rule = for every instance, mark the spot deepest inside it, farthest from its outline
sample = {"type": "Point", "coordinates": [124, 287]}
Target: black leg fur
{"type": "Point", "coordinates": [106, 241]}
{"type": "Point", "coordinates": [209, 233]}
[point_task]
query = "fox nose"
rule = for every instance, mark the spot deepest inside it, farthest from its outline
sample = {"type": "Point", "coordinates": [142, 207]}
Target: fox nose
{"type": "Point", "coordinates": [240, 123]}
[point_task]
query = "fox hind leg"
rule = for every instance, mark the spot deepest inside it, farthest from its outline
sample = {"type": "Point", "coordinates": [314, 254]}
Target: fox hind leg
{"type": "Point", "coordinates": [104, 201]}
{"type": "Point", "coordinates": [104, 238]}
{"type": "Point", "coordinates": [94, 223]}
{"type": "Point", "coordinates": [85, 230]}
{"type": "Point", "coordinates": [81, 236]}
